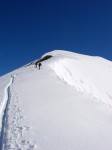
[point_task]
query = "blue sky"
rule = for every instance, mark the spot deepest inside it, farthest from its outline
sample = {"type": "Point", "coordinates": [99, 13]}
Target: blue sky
{"type": "Point", "coordinates": [30, 28]}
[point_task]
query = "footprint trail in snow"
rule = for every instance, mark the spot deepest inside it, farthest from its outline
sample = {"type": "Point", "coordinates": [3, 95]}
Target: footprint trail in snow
{"type": "Point", "coordinates": [12, 132]}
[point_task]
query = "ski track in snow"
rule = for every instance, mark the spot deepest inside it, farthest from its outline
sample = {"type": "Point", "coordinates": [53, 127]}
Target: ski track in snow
{"type": "Point", "coordinates": [12, 132]}
{"type": "Point", "coordinates": [3, 112]}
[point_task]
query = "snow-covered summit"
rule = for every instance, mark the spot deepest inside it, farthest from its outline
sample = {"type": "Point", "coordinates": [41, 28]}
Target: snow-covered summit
{"type": "Point", "coordinates": [65, 105]}
{"type": "Point", "coordinates": [69, 54]}
{"type": "Point", "coordinates": [88, 74]}
{"type": "Point", "coordinates": [64, 53]}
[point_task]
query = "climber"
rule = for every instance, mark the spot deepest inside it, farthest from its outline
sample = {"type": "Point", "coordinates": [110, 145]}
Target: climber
{"type": "Point", "coordinates": [38, 64]}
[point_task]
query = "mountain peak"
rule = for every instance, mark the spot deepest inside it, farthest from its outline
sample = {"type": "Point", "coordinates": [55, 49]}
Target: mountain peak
{"type": "Point", "coordinates": [66, 104]}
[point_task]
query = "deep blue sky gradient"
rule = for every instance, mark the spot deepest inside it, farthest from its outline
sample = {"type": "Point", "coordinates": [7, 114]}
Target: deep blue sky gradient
{"type": "Point", "coordinates": [30, 28]}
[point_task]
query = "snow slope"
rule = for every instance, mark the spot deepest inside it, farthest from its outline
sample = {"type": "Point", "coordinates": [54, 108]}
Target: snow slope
{"type": "Point", "coordinates": [67, 105]}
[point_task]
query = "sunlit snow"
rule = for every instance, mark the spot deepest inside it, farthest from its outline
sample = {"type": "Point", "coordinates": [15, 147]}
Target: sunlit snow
{"type": "Point", "coordinates": [66, 105]}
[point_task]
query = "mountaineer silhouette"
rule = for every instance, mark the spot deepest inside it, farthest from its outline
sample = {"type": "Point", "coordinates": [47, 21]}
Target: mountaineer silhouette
{"type": "Point", "coordinates": [38, 64]}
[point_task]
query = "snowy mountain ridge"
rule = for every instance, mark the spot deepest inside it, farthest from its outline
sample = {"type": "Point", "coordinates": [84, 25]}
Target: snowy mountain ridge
{"type": "Point", "coordinates": [88, 74]}
{"type": "Point", "coordinates": [59, 107]}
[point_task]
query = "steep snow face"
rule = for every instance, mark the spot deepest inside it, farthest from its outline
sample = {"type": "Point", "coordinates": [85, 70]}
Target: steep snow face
{"type": "Point", "coordinates": [92, 75]}
{"type": "Point", "coordinates": [58, 107]}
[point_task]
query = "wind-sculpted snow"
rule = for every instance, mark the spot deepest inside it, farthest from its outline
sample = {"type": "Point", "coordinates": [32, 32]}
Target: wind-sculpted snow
{"type": "Point", "coordinates": [89, 75]}
{"type": "Point", "coordinates": [58, 107]}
